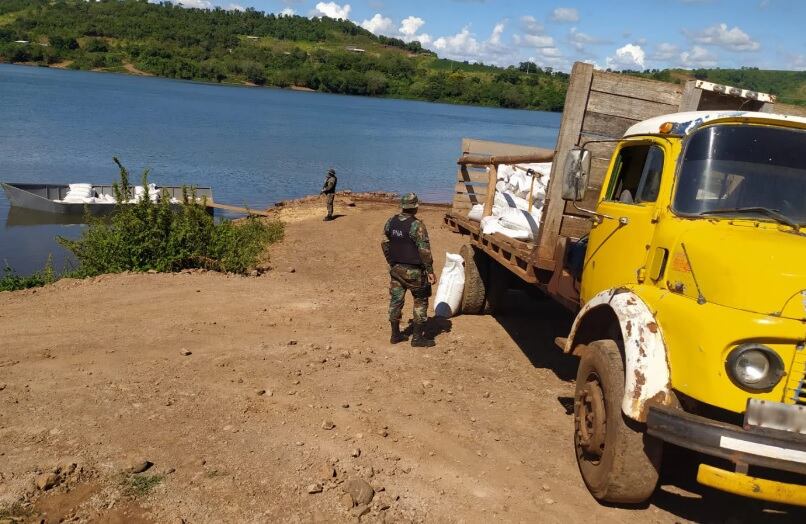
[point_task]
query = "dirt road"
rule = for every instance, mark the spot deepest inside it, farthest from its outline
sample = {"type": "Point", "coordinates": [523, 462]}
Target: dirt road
{"type": "Point", "coordinates": [246, 393]}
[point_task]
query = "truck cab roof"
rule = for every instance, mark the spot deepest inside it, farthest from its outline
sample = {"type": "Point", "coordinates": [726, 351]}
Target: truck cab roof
{"type": "Point", "coordinates": [688, 122]}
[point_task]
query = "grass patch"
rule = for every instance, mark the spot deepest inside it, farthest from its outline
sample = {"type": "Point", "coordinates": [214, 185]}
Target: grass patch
{"type": "Point", "coordinates": [149, 236]}
{"type": "Point", "coordinates": [10, 281]}
{"type": "Point", "coordinates": [140, 485]}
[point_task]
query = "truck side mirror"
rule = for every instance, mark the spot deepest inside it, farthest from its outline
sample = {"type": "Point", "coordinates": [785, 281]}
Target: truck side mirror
{"type": "Point", "coordinates": [575, 174]}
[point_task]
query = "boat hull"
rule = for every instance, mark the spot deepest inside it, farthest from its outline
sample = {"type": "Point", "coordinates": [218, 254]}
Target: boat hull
{"type": "Point", "coordinates": [40, 197]}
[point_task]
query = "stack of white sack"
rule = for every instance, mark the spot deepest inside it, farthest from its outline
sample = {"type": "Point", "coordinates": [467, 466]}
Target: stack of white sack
{"type": "Point", "coordinates": [79, 194]}
{"type": "Point", "coordinates": [140, 193]}
{"type": "Point", "coordinates": [510, 211]}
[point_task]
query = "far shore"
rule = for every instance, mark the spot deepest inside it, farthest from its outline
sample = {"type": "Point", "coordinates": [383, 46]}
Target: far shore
{"type": "Point", "coordinates": [133, 71]}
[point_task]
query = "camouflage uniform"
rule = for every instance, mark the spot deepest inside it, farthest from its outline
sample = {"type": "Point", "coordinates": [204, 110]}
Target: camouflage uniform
{"type": "Point", "coordinates": [413, 278]}
{"type": "Point", "coordinates": [329, 189]}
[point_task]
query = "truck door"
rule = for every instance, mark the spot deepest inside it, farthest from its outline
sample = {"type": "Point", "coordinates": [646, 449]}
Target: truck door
{"type": "Point", "coordinates": [620, 237]}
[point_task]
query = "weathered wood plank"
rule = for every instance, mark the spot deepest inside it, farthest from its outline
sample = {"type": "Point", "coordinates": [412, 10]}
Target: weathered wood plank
{"type": "Point", "coordinates": [589, 202]}
{"type": "Point", "coordinates": [486, 147]}
{"type": "Point", "coordinates": [461, 207]}
{"type": "Point", "coordinates": [599, 150]}
{"type": "Point", "coordinates": [469, 198]}
{"type": "Point", "coordinates": [635, 87]}
{"type": "Point", "coordinates": [483, 160]}
{"type": "Point", "coordinates": [476, 176]}
{"type": "Point", "coordinates": [576, 102]}
{"type": "Point", "coordinates": [690, 100]}
{"type": "Point", "coordinates": [606, 126]}
{"type": "Point", "coordinates": [787, 109]}
{"type": "Point", "coordinates": [574, 226]}
{"type": "Point", "coordinates": [490, 198]}
{"type": "Point", "coordinates": [624, 107]}
{"type": "Point", "coordinates": [461, 187]}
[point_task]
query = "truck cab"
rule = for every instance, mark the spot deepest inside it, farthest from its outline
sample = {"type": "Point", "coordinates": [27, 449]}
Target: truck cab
{"type": "Point", "coordinates": [692, 329]}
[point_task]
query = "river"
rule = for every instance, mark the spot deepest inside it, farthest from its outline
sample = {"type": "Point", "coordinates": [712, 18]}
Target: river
{"type": "Point", "coordinates": [253, 146]}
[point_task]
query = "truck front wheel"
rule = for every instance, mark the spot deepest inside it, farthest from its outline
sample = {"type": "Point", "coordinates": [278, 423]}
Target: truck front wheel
{"type": "Point", "coordinates": [618, 461]}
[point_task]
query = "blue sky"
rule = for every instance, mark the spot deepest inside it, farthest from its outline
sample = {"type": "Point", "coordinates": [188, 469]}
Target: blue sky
{"type": "Point", "coordinates": [626, 34]}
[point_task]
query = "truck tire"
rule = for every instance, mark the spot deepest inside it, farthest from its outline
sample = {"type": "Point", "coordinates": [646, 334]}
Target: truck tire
{"type": "Point", "coordinates": [618, 461]}
{"type": "Point", "coordinates": [476, 266]}
{"type": "Point", "coordinates": [497, 286]}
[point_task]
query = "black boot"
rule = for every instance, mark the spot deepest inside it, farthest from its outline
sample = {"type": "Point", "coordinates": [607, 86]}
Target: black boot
{"type": "Point", "coordinates": [397, 336]}
{"type": "Point", "coordinates": [419, 340]}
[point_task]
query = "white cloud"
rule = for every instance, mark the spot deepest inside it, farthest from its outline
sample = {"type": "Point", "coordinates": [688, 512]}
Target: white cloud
{"type": "Point", "coordinates": [665, 51]}
{"type": "Point", "coordinates": [565, 14]}
{"type": "Point", "coordinates": [531, 25]}
{"type": "Point", "coordinates": [498, 30]}
{"type": "Point", "coordinates": [287, 12]}
{"type": "Point", "coordinates": [719, 35]}
{"type": "Point", "coordinates": [629, 56]}
{"type": "Point", "coordinates": [465, 46]}
{"type": "Point", "coordinates": [538, 41]}
{"type": "Point", "coordinates": [333, 10]}
{"type": "Point", "coordinates": [195, 4]}
{"type": "Point", "coordinates": [461, 44]}
{"type": "Point", "coordinates": [379, 25]}
{"type": "Point", "coordinates": [698, 57]}
{"type": "Point", "coordinates": [410, 25]}
{"type": "Point", "coordinates": [235, 7]}
{"type": "Point", "coordinates": [551, 52]}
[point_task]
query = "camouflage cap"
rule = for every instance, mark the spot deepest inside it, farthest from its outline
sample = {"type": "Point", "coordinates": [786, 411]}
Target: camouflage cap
{"type": "Point", "coordinates": [331, 171]}
{"type": "Point", "coordinates": [409, 201]}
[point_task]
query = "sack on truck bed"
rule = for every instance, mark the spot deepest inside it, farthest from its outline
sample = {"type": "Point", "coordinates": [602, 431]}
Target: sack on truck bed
{"type": "Point", "coordinates": [451, 286]}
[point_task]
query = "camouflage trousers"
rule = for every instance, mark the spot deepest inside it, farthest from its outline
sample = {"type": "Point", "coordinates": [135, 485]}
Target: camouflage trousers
{"type": "Point", "coordinates": [414, 279]}
{"type": "Point", "coordinates": [330, 198]}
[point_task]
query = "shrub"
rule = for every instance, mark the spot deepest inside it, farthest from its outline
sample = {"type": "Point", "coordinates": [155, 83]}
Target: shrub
{"type": "Point", "coordinates": [11, 281]}
{"type": "Point", "coordinates": [155, 236]}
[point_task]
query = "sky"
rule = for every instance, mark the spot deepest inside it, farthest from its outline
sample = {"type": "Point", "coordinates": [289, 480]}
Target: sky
{"type": "Point", "coordinates": [616, 34]}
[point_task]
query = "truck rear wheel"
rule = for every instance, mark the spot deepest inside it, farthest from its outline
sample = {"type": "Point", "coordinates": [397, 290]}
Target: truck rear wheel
{"type": "Point", "coordinates": [618, 461]}
{"type": "Point", "coordinates": [475, 291]}
{"type": "Point", "coordinates": [498, 282]}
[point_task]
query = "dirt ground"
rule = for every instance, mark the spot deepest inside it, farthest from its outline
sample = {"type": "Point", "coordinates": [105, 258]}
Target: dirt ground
{"type": "Point", "coordinates": [290, 386]}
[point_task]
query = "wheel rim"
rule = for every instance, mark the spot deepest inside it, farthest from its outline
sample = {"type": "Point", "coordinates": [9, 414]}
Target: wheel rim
{"type": "Point", "coordinates": [590, 419]}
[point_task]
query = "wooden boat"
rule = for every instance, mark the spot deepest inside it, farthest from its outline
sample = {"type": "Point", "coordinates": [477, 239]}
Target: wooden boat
{"type": "Point", "coordinates": [44, 197]}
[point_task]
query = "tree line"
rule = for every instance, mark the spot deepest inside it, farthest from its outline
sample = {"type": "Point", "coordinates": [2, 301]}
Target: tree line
{"type": "Point", "coordinates": [323, 54]}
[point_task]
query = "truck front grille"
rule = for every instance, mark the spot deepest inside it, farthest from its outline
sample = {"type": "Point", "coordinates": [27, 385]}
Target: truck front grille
{"type": "Point", "coordinates": [796, 383]}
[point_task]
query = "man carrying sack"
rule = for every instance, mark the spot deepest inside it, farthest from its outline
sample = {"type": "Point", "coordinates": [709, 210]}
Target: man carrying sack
{"type": "Point", "coordinates": [408, 252]}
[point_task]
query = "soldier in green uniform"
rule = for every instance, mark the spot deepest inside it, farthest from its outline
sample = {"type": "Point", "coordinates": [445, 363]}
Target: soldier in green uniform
{"type": "Point", "coordinates": [408, 252]}
{"type": "Point", "coordinates": [329, 189]}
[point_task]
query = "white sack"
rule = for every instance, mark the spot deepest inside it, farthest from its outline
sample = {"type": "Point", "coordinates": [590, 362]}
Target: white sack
{"type": "Point", "coordinates": [489, 225]}
{"type": "Point", "coordinates": [451, 286]}
{"type": "Point", "coordinates": [519, 220]}
{"type": "Point", "coordinates": [476, 212]}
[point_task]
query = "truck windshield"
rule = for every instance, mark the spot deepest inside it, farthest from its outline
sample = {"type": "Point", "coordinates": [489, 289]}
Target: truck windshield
{"type": "Point", "coordinates": [744, 171]}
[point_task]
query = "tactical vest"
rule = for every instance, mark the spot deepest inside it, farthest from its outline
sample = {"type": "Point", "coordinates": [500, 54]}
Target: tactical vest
{"type": "Point", "coordinates": [332, 190]}
{"type": "Point", "coordinates": [402, 249]}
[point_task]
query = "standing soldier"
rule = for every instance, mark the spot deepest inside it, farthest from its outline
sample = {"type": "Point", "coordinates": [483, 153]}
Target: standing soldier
{"type": "Point", "coordinates": [329, 189]}
{"type": "Point", "coordinates": [408, 253]}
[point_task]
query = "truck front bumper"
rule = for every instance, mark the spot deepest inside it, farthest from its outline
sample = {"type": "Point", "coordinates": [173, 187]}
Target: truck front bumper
{"type": "Point", "coordinates": [766, 448]}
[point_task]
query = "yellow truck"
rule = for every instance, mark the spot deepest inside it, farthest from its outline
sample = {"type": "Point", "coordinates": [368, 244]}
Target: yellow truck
{"type": "Point", "coordinates": [674, 228]}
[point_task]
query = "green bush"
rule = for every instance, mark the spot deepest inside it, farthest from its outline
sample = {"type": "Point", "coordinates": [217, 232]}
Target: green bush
{"type": "Point", "coordinates": [155, 236]}
{"type": "Point", "coordinates": [10, 281]}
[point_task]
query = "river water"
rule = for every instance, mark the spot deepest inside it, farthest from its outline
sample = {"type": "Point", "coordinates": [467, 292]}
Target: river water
{"type": "Point", "coordinates": [253, 146]}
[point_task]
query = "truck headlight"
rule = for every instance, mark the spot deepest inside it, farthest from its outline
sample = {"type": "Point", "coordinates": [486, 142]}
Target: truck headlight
{"type": "Point", "coordinates": [754, 367]}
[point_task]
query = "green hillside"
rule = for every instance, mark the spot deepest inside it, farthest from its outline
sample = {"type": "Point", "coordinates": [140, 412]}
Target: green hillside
{"type": "Point", "coordinates": [263, 49]}
{"type": "Point", "coordinates": [322, 54]}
